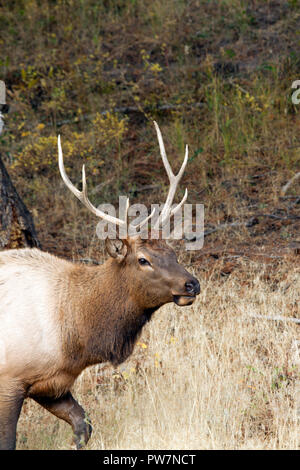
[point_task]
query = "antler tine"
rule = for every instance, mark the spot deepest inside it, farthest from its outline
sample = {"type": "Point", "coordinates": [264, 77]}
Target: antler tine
{"type": "Point", "coordinates": [141, 224]}
{"type": "Point", "coordinates": [163, 153]}
{"type": "Point", "coordinates": [174, 180]}
{"type": "Point", "coordinates": [176, 209]}
{"type": "Point", "coordinates": [82, 195]}
{"type": "Point", "coordinates": [186, 157]}
{"type": "Point", "coordinates": [63, 171]}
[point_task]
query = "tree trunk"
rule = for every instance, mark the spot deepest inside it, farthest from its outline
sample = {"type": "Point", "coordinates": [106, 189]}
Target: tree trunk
{"type": "Point", "coordinates": [16, 224]}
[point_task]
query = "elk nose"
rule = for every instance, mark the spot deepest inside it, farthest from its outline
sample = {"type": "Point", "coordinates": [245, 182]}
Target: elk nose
{"type": "Point", "coordinates": [192, 286]}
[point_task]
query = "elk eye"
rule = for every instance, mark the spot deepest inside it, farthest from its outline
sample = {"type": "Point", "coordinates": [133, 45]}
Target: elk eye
{"type": "Point", "coordinates": [144, 262]}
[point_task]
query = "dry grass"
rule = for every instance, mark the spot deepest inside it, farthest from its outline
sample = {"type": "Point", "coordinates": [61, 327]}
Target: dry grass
{"type": "Point", "coordinates": [203, 377]}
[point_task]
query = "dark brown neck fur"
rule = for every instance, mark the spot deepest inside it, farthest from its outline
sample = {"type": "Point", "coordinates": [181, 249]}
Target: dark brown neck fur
{"type": "Point", "coordinates": [103, 320]}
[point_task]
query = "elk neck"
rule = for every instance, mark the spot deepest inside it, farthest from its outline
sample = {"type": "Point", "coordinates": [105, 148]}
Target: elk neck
{"type": "Point", "coordinates": [102, 314]}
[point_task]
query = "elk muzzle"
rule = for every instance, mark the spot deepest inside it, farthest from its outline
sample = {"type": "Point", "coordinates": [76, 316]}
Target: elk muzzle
{"type": "Point", "coordinates": [190, 290]}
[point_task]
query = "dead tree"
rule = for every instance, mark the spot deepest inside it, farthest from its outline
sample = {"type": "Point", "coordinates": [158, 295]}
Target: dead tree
{"type": "Point", "coordinates": [16, 224]}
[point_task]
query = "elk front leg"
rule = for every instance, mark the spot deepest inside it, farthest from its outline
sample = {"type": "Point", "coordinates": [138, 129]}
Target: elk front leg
{"type": "Point", "coordinates": [11, 400]}
{"type": "Point", "coordinates": [67, 408]}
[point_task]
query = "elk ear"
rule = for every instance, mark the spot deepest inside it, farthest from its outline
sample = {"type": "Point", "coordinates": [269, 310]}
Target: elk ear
{"type": "Point", "coordinates": [116, 248]}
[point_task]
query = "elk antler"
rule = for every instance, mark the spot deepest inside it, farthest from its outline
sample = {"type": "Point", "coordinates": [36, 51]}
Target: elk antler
{"type": "Point", "coordinates": [167, 209]}
{"type": "Point", "coordinates": [174, 180]}
{"type": "Point", "coordinates": [82, 195]}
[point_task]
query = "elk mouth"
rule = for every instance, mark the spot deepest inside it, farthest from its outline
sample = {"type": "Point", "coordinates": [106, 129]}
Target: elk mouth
{"type": "Point", "coordinates": [184, 300]}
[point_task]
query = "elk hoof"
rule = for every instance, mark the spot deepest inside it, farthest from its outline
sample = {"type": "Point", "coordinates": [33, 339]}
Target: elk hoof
{"type": "Point", "coordinates": [83, 434]}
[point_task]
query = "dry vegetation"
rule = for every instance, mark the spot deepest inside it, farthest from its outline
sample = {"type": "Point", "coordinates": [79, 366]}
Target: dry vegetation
{"type": "Point", "coordinates": [216, 75]}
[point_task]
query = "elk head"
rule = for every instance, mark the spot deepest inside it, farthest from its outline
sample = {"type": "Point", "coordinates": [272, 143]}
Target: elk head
{"type": "Point", "coordinates": [150, 265]}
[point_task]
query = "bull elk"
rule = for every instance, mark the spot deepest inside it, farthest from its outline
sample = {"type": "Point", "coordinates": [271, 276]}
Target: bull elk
{"type": "Point", "coordinates": [57, 317]}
